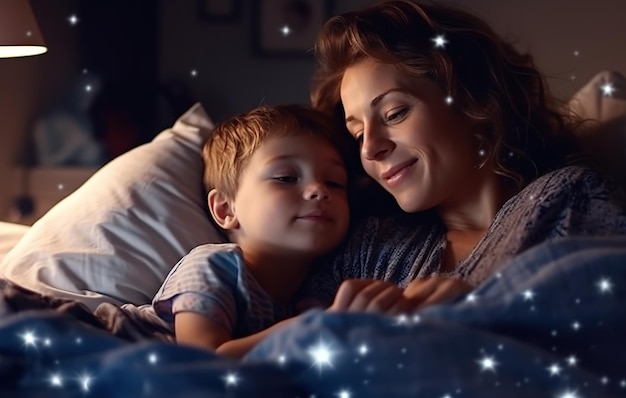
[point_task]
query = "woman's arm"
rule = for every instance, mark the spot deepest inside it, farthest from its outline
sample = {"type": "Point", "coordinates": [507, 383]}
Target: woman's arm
{"type": "Point", "coordinates": [201, 331]}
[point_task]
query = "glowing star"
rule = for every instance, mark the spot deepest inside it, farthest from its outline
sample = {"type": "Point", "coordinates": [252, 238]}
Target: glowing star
{"type": "Point", "coordinates": [554, 370]}
{"type": "Point", "coordinates": [605, 285]}
{"type": "Point", "coordinates": [528, 295]}
{"type": "Point", "coordinates": [440, 41]}
{"type": "Point", "coordinates": [231, 379]}
{"type": "Point", "coordinates": [416, 319]}
{"type": "Point", "coordinates": [29, 338]}
{"type": "Point", "coordinates": [193, 73]}
{"type": "Point", "coordinates": [363, 349]}
{"type": "Point", "coordinates": [73, 19]}
{"type": "Point", "coordinates": [449, 100]}
{"type": "Point", "coordinates": [569, 394]}
{"type": "Point", "coordinates": [402, 319]}
{"type": "Point", "coordinates": [572, 360]}
{"type": "Point", "coordinates": [488, 363]}
{"type": "Point", "coordinates": [56, 380]}
{"type": "Point", "coordinates": [152, 358]}
{"type": "Point", "coordinates": [607, 89]}
{"type": "Point", "coordinates": [85, 380]}
{"type": "Point", "coordinates": [321, 355]}
{"type": "Point", "coordinates": [343, 394]}
{"type": "Point", "coordinates": [88, 88]}
{"type": "Point", "coordinates": [604, 380]}
{"type": "Point", "coordinates": [471, 298]}
{"type": "Point", "coordinates": [282, 359]}
{"type": "Point", "coordinates": [47, 342]}
{"type": "Point", "coordinates": [575, 325]}
{"type": "Point", "coordinates": [79, 340]}
{"type": "Point", "coordinates": [576, 53]}
{"type": "Point", "coordinates": [285, 30]}
{"type": "Point", "coordinates": [622, 383]}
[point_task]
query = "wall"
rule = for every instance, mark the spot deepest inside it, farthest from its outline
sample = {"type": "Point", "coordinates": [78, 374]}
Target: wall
{"type": "Point", "coordinates": [231, 78]}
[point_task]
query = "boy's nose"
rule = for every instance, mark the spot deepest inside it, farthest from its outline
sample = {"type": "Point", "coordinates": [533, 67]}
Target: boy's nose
{"type": "Point", "coordinates": [317, 191]}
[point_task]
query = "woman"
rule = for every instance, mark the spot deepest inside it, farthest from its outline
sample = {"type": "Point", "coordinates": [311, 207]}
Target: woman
{"type": "Point", "coordinates": [461, 130]}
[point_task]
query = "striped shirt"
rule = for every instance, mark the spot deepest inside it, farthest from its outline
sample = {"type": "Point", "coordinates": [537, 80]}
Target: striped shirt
{"type": "Point", "coordinates": [572, 201]}
{"type": "Point", "coordinates": [213, 280]}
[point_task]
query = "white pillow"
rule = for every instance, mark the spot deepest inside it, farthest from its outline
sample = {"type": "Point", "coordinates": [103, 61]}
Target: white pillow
{"type": "Point", "coordinates": [116, 237]}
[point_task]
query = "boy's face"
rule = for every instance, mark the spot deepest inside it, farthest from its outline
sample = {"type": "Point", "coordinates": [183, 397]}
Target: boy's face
{"type": "Point", "coordinates": [292, 197]}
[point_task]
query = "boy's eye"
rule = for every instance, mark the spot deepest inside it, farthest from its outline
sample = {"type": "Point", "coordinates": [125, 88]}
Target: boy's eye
{"type": "Point", "coordinates": [286, 179]}
{"type": "Point", "coordinates": [335, 184]}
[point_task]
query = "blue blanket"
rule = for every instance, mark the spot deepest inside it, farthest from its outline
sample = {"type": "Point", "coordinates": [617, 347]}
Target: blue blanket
{"type": "Point", "coordinates": [551, 324]}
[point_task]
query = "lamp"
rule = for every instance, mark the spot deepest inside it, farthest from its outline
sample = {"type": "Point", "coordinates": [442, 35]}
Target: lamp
{"type": "Point", "coordinates": [19, 32]}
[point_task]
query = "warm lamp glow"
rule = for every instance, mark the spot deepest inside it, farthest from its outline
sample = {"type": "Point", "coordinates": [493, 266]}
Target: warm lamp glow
{"type": "Point", "coordinates": [19, 32]}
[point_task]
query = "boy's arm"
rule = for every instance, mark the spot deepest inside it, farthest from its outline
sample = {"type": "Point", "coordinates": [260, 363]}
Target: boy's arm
{"type": "Point", "coordinates": [201, 331]}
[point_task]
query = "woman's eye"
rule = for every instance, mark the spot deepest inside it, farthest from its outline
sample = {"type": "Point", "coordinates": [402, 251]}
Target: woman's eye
{"type": "Point", "coordinates": [397, 116]}
{"type": "Point", "coordinates": [286, 179]}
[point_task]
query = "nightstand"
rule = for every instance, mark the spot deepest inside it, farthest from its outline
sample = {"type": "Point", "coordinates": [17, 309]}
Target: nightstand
{"type": "Point", "coordinates": [45, 186]}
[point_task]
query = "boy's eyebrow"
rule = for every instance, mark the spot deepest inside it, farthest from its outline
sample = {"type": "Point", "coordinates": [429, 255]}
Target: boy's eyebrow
{"type": "Point", "coordinates": [333, 160]}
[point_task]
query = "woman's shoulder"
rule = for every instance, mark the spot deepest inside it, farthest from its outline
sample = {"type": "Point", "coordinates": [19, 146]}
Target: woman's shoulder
{"type": "Point", "coordinates": [571, 178]}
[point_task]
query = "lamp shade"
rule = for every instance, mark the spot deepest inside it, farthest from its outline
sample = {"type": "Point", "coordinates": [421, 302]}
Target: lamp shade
{"type": "Point", "coordinates": [19, 32]}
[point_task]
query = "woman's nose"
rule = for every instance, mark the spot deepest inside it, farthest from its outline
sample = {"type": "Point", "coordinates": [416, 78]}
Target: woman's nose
{"type": "Point", "coordinates": [317, 191]}
{"type": "Point", "coordinates": [375, 145]}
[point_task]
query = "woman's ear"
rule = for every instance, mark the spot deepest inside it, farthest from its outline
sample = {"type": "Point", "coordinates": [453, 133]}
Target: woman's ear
{"type": "Point", "coordinates": [222, 210]}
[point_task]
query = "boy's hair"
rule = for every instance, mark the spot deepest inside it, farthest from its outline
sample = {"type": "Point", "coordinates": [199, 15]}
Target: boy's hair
{"type": "Point", "coordinates": [231, 144]}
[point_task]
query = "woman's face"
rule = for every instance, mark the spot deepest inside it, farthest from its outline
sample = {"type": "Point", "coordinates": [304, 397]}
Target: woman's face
{"type": "Point", "coordinates": [413, 142]}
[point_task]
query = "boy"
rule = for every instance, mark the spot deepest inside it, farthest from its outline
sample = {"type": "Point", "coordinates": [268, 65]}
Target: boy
{"type": "Point", "coordinates": [277, 186]}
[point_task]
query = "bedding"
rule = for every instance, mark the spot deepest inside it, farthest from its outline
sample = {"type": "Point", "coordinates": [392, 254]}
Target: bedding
{"type": "Point", "coordinates": [549, 325]}
{"type": "Point", "coordinates": [549, 328]}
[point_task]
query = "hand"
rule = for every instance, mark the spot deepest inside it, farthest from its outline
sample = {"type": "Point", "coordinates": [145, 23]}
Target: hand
{"type": "Point", "coordinates": [436, 289]}
{"type": "Point", "coordinates": [368, 295]}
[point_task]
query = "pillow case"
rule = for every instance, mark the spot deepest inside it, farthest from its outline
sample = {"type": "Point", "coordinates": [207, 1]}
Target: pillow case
{"type": "Point", "coordinates": [117, 236]}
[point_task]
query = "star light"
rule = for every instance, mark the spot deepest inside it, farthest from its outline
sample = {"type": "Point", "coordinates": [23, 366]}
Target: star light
{"type": "Point", "coordinates": [440, 41]}
{"type": "Point", "coordinates": [604, 380]}
{"type": "Point", "coordinates": [282, 359]}
{"type": "Point", "coordinates": [73, 19]}
{"type": "Point", "coordinates": [622, 383]}
{"type": "Point", "coordinates": [363, 349]}
{"type": "Point", "coordinates": [321, 355]}
{"type": "Point", "coordinates": [576, 53]}
{"type": "Point", "coordinates": [47, 342]}
{"type": "Point", "coordinates": [488, 363]}
{"type": "Point", "coordinates": [402, 319]}
{"type": "Point", "coordinates": [88, 88]}
{"type": "Point", "coordinates": [152, 358]}
{"type": "Point", "coordinates": [605, 285]}
{"type": "Point", "coordinates": [607, 89]}
{"type": "Point", "coordinates": [528, 295]}
{"type": "Point", "coordinates": [569, 394]}
{"type": "Point", "coordinates": [554, 370]}
{"type": "Point", "coordinates": [449, 100]}
{"type": "Point", "coordinates": [343, 394]}
{"type": "Point", "coordinates": [56, 380]}
{"type": "Point", "coordinates": [29, 338]}
{"type": "Point", "coordinates": [576, 325]}
{"type": "Point", "coordinates": [193, 73]}
{"type": "Point", "coordinates": [85, 380]}
{"type": "Point", "coordinates": [29, 33]}
{"type": "Point", "coordinates": [572, 360]}
{"type": "Point", "coordinates": [231, 379]}
{"type": "Point", "coordinates": [285, 30]}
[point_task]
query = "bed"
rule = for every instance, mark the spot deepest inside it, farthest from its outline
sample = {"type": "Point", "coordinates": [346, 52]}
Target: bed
{"type": "Point", "coordinates": [115, 238]}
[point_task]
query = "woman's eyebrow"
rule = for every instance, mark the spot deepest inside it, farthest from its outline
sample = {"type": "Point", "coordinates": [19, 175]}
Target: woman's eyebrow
{"type": "Point", "coordinates": [379, 98]}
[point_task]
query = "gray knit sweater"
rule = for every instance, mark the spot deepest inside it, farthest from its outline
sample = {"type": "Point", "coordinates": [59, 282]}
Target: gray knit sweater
{"type": "Point", "coordinates": [569, 201]}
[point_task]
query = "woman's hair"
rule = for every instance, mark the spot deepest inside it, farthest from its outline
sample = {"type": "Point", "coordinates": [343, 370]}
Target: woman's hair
{"type": "Point", "coordinates": [231, 144]}
{"type": "Point", "coordinates": [524, 132]}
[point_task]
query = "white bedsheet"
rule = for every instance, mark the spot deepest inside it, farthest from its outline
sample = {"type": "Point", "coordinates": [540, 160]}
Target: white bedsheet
{"type": "Point", "coordinates": [10, 234]}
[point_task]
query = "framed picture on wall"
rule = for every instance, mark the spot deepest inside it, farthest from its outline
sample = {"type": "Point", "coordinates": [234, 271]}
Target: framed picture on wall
{"type": "Point", "coordinates": [219, 10]}
{"type": "Point", "coordinates": [288, 27]}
